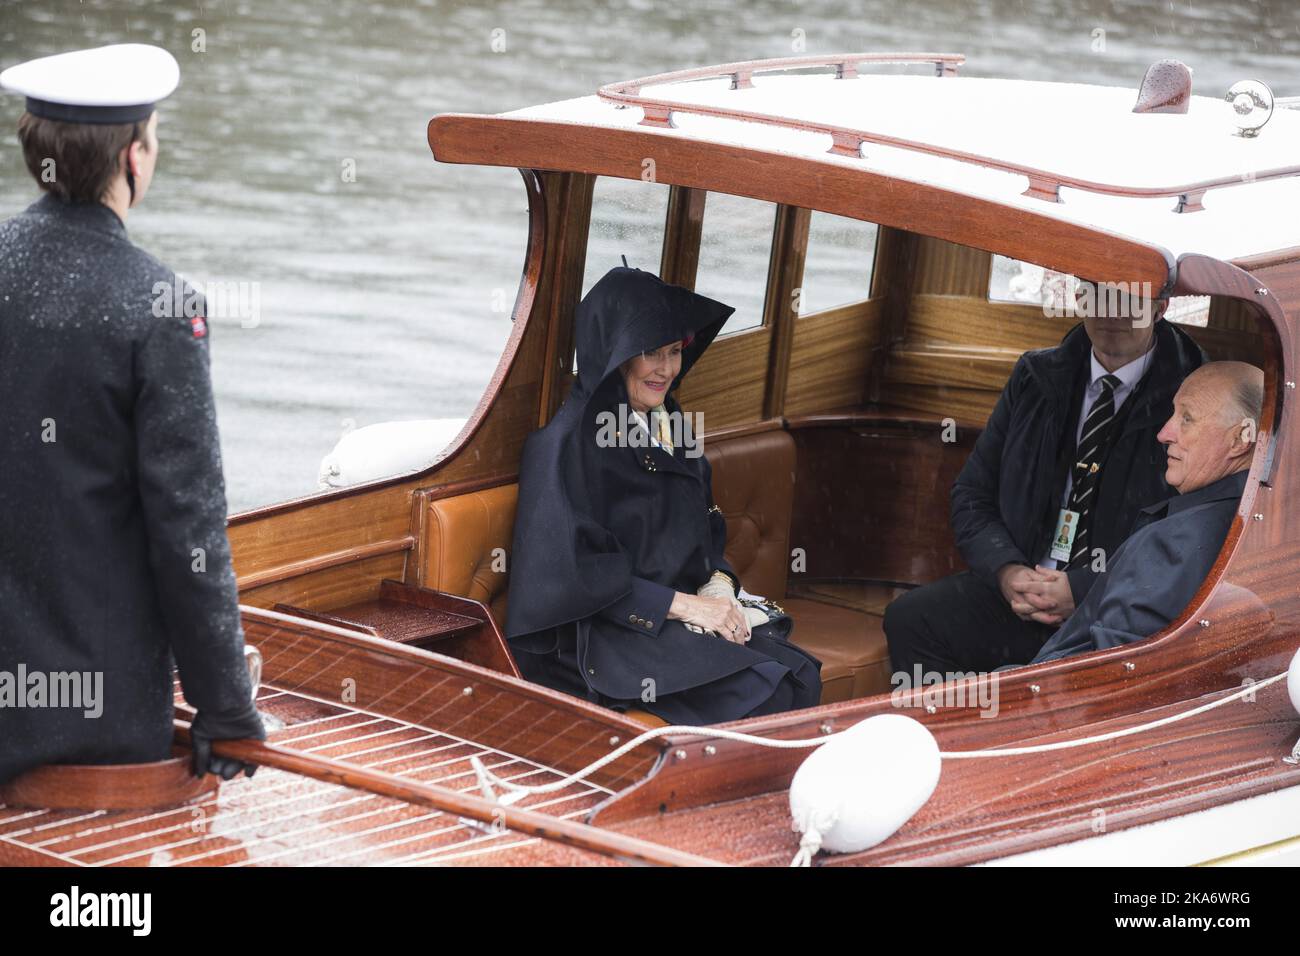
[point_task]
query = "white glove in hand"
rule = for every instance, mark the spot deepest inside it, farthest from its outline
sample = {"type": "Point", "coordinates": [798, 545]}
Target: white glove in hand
{"type": "Point", "coordinates": [717, 586]}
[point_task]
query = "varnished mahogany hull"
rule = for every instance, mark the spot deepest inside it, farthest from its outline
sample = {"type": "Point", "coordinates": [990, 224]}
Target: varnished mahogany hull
{"type": "Point", "coordinates": [370, 704]}
{"type": "Point", "coordinates": [356, 698]}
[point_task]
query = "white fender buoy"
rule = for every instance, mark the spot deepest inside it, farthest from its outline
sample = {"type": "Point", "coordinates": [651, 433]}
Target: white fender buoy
{"type": "Point", "coordinates": [859, 787]}
{"type": "Point", "coordinates": [386, 449]}
{"type": "Point", "coordinates": [1293, 681]}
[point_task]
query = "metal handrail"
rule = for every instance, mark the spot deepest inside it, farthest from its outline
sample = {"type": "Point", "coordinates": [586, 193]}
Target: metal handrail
{"type": "Point", "coordinates": [847, 141]}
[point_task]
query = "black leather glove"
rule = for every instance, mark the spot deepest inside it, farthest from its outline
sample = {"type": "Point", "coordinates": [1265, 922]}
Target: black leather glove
{"type": "Point", "coordinates": [223, 725]}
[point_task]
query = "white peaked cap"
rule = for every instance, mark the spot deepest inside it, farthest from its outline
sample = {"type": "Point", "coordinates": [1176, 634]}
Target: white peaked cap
{"type": "Point", "coordinates": [109, 84]}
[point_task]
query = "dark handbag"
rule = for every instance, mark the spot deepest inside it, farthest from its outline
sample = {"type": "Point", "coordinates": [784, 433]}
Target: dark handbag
{"type": "Point", "coordinates": [780, 622]}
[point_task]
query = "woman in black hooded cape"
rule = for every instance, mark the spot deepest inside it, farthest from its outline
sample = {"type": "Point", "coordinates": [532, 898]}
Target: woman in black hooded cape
{"type": "Point", "coordinates": [608, 534]}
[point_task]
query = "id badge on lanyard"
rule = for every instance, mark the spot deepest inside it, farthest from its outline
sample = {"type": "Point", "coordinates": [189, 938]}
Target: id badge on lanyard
{"type": "Point", "coordinates": [1067, 523]}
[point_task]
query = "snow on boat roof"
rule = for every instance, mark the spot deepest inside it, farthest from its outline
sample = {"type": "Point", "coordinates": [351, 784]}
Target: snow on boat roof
{"type": "Point", "coordinates": [1065, 129]}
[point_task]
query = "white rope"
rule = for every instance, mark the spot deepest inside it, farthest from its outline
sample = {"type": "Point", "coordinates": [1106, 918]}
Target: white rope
{"type": "Point", "coordinates": [1114, 734]}
{"type": "Point", "coordinates": [809, 844]}
{"type": "Point", "coordinates": [487, 778]}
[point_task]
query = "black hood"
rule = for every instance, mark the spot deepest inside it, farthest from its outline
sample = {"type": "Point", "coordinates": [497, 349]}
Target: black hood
{"type": "Point", "coordinates": [564, 564]}
{"type": "Point", "coordinates": [630, 311]}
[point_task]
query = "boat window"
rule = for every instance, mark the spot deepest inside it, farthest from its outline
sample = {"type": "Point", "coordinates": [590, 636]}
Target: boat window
{"type": "Point", "coordinates": [627, 219]}
{"type": "Point", "coordinates": [1011, 280]}
{"type": "Point", "coordinates": [839, 261]}
{"type": "Point", "coordinates": [735, 248]}
{"type": "Point", "coordinates": [1189, 310]}
{"type": "Point", "coordinates": [375, 344]}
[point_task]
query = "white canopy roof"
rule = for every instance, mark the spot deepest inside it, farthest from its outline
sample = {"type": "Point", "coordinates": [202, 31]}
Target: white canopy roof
{"type": "Point", "coordinates": [1068, 129]}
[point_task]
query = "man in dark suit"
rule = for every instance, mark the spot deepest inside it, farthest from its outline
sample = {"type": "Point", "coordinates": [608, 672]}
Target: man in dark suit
{"type": "Point", "coordinates": [114, 559]}
{"type": "Point", "coordinates": [1209, 441]}
{"type": "Point", "coordinates": [1067, 460]}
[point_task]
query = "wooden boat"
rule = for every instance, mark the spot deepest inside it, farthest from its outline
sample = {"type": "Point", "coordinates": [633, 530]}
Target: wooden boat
{"type": "Point", "coordinates": [835, 434]}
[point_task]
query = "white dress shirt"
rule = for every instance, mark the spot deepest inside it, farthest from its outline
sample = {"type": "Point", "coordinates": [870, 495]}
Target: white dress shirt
{"type": "Point", "coordinates": [1129, 375]}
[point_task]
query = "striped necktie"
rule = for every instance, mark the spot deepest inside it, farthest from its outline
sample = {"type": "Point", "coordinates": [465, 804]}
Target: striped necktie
{"type": "Point", "coordinates": [1087, 469]}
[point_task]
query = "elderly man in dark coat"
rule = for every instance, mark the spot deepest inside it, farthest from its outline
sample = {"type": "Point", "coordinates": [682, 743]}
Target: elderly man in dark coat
{"type": "Point", "coordinates": [619, 590]}
{"type": "Point", "coordinates": [1156, 572]}
{"type": "Point", "coordinates": [1067, 460]}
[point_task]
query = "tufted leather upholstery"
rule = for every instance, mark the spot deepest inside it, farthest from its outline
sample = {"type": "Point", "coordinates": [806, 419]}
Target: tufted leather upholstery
{"type": "Point", "coordinates": [461, 536]}
{"type": "Point", "coordinates": [753, 484]}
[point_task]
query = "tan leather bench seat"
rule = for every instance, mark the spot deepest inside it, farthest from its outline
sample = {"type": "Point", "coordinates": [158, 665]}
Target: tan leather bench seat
{"type": "Point", "coordinates": [466, 546]}
{"type": "Point", "coordinates": [850, 644]}
{"type": "Point", "coordinates": [753, 484]}
{"type": "Point", "coordinates": [466, 536]}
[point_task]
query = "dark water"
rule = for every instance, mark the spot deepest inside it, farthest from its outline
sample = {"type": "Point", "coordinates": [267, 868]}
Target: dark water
{"type": "Point", "coordinates": [377, 296]}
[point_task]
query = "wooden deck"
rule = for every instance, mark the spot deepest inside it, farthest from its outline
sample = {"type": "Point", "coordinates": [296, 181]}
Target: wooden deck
{"type": "Point", "coordinates": [282, 819]}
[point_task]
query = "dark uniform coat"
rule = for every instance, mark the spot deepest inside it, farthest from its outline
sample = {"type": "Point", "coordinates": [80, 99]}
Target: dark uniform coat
{"type": "Point", "coordinates": [605, 536]}
{"type": "Point", "coordinates": [1154, 574]}
{"type": "Point", "coordinates": [1007, 497]}
{"type": "Point", "coordinates": [113, 548]}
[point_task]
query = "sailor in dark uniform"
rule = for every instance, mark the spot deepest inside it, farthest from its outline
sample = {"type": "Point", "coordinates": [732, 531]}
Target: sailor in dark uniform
{"type": "Point", "coordinates": [114, 559]}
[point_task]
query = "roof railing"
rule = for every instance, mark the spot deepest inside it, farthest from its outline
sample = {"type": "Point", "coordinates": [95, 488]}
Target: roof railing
{"type": "Point", "coordinates": [847, 141]}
